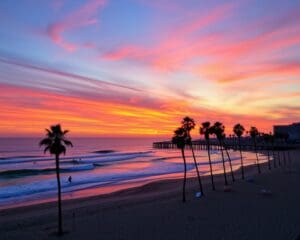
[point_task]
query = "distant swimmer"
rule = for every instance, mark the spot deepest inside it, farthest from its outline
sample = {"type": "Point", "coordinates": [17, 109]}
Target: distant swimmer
{"type": "Point", "coordinates": [70, 179]}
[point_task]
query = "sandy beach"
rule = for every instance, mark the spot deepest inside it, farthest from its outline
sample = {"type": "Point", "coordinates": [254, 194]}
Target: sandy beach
{"type": "Point", "coordinates": [155, 211]}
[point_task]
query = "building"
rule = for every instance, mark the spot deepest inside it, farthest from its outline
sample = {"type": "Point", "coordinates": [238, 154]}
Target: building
{"type": "Point", "coordinates": [293, 130]}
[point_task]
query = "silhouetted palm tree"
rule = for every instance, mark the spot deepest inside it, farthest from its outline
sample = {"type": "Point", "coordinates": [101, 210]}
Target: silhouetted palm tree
{"type": "Point", "coordinates": [188, 124]}
{"type": "Point", "coordinates": [239, 130]}
{"type": "Point", "coordinates": [218, 129]}
{"type": "Point", "coordinates": [254, 133]}
{"type": "Point", "coordinates": [179, 139]}
{"type": "Point", "coordinates": [286, 138]}
{"type": "Point", "coordinates": [228, 156]}
{"type": "Point", "coordinates": [276, 138]}
{"type": "Point", "coordinates": [56, 144]}
{"type": "Point", "coordinates": [283, 138]}
{"type": "Point", "coordinates": [206, 130]}
{"type": "Point", "coordinates": [267, 139]}
{"type": "Point", "coordinates": [272, 140]}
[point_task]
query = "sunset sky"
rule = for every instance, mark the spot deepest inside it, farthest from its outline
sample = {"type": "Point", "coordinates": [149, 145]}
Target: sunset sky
{"type": "Point", "coordinates": [137, 67]}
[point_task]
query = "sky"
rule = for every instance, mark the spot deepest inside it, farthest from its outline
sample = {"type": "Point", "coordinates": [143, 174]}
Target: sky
{"type": "Point", "coordinates": [137, 67]}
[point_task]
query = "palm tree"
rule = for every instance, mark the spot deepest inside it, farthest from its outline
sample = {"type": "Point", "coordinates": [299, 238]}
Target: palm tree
{"type": "Point", "coordinates": [229, 159]}
{"type": "Point", "coordinates": [206, 130]}
{"type": "Point", "coordinates": [56, 144]}
{"type": "Point", "coordinates": [179, 139]}
{"type": "Point", "coordinates": [267, 138]}
{"type": "Point", "coordinates": [218, 129]}
{"type": "Point", "coordinates": [286, 138]}
{"type": "Point", "coordinates": [272, 139]}
{"type": "Point", "coordinates": [276, 137]}
{"type": "Point", "coordinates": [239, 130]}
{"type": "Point", "coordinates": [188, 124]}
{"type": "Point", "coordinates": [254, 133]}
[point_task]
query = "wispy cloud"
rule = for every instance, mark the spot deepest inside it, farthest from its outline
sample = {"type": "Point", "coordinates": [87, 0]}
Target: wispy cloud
{"type": "Point", "coordinates": [84, 16]}
{"type": "Point", "coordinates": [83, 79]}
{"type": "Point", "coordinates": [224, 57]}
{"type": "Point", "coordinates": [177, 48]}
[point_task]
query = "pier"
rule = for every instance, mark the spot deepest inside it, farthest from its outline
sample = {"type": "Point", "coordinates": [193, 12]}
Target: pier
{"type": "Point", "coordinates": [246, 145]}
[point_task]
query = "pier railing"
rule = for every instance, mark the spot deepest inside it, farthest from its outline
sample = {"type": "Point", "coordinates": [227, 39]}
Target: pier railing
{"type": "Point", "coordinates": [246, 144]}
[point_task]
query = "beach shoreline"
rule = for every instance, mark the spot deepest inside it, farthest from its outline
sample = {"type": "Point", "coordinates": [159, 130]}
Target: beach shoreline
{"type": "Point", "coordinates": [165, 195]}
{"type": "Point", "coordinates": [132, 187]}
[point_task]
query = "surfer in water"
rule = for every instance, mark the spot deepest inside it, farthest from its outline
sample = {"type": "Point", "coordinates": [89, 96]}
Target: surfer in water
{"type": "Point", "coordinates": [70, 179]}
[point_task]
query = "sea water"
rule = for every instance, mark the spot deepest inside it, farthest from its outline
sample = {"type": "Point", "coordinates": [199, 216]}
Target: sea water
{"type": "Point", "coordinates": [96, 166]}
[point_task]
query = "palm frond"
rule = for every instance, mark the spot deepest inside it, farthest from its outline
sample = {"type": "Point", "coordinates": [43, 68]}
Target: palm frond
{"type": "Point", "coordinates": [65, 132]}
{"type": "Point", "coordinates": [55, 142]}
{"type": "Point", "coordinates": [49, 133]}
{"type": "Point", "coordinates": [63, 149]}
{"type": "Point", "coordinates": [68, 143]}
{"type": "Point", "coordinates": [46, 149]}
{"type": "Point", "coordinates": [45, 141]}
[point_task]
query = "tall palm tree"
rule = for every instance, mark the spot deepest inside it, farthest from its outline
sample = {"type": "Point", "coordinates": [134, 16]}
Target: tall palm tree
{"type": "Point", "coordinates": [229, 159]}
{"type": "Point", "coordinates": [239, 130]}
{"type": "Point", "coordinates": [206, 130]}
{"type": "Point", "coordinates": [188, 124]}
{"type": "Point", "coordinates": [286, 138]}
{"type": "Point", "coordinates": [277, 137]}
{"type": "Point", "coordinates": [272, 140]}
{"type": "Point", "coordinates": [56, 144]}
{"type": "Point", "coordinates": [254, 133]}
{"type": "Point", "coordinates": [266, 138]}
{"type": "Point", "coordinates": [179, 139]}
{"type": "Point", "coordinates": [218, 130]}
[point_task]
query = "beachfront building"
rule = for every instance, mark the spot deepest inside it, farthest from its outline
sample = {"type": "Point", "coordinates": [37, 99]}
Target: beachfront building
{"type": "Point", "coordinates": [293, 130]}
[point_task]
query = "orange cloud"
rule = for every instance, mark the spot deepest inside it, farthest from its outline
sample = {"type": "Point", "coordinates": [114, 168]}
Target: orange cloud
{"type": "Point", "coordinates": [37, 109]}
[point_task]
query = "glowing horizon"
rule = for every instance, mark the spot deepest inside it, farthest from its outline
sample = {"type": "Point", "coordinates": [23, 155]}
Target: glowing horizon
{"type": "Point", "coordinates": [136, 67]}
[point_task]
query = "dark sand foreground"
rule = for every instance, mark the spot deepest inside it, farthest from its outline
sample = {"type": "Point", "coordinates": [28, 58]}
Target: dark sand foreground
{"type": "Point", "coordinates": [155, 211]}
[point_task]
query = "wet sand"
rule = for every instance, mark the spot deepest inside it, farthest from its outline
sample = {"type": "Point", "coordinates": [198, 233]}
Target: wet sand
{"type": "Point", "coordinates": [155, 211]}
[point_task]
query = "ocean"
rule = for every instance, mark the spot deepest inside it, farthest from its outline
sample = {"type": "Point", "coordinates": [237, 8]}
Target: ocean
{"type": "Point", "coordinates": [96, 166]}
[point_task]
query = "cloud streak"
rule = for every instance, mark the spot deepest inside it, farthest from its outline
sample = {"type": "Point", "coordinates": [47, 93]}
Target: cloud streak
{"type": "Point", "coordinates": [84, 16]}
{"type": "Point", "coordinates": [224, 57]}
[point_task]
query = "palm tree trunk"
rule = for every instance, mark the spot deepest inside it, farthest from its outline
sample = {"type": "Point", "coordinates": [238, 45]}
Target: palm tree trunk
{"type": "Point", "coordinates": [273, 153]}
{"type": "Point", "coordinates": [60, 229]}
{"type": "Point", "coordinates": [289, 159]}
{"type": "Point", "coordinates": [197, 170]}
{"type": "Point", "coordinates": [229, 159]}
{"type": "Point", "coordinates": [242, 163]}
{"type": "Point", "coordinates": [257, 161]}
{"type": "Point", "coordinates": [268, 153]}
{"type": "Point", "coordinates": [284, 158]}
{"type": "Point", "coordinates": [184, 176]}
{"type": "Point", "coordinates": [210, 166]}
{"type": "Point", "coordinates": [223, 161]}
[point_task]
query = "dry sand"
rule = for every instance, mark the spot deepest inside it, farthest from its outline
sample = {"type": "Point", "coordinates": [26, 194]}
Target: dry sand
{"type": "Point", "coordinates": [155, 211]}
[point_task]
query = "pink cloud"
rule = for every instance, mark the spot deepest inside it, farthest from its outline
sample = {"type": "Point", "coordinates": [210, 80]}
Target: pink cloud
{"type": "Point", "coordinates": [84, 16]}
{"type": "Point", "coordinates": [176, 48]}
{"type": "Point", "coordinates": [225, 56]}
